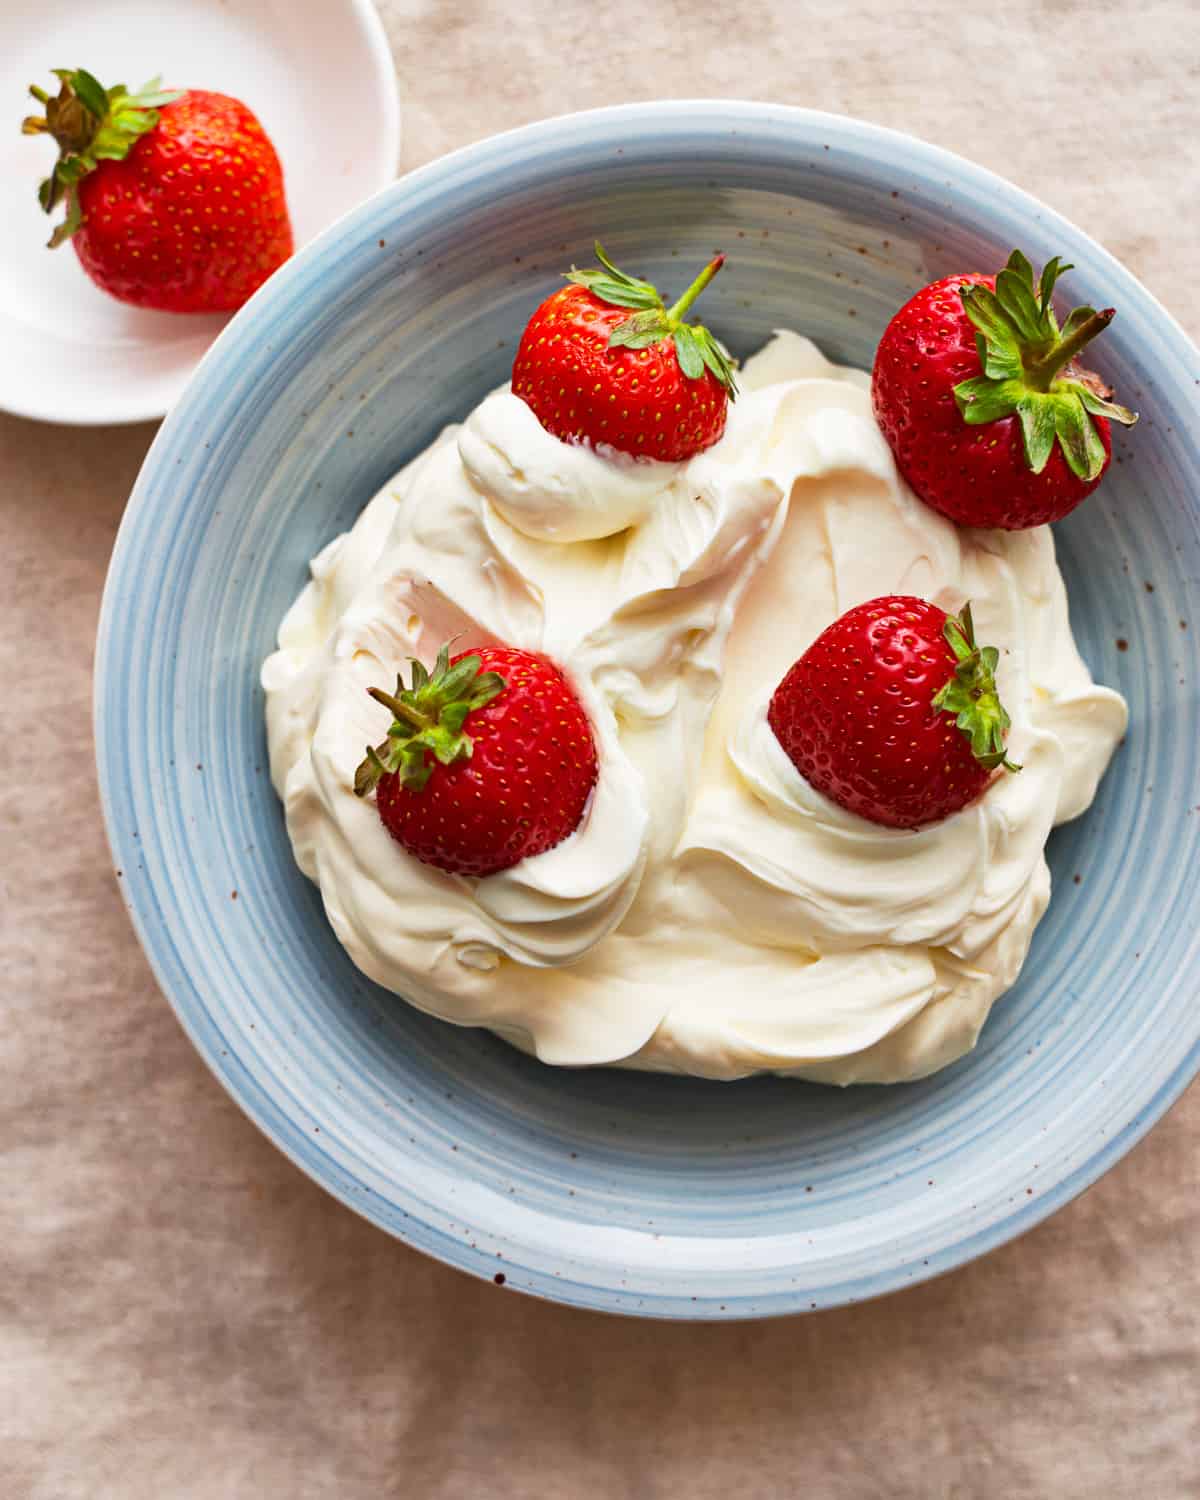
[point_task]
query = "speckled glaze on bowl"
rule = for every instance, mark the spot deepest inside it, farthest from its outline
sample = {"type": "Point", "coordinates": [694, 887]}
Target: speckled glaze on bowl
{"type": "Point", "coordinates": [626, 1192]}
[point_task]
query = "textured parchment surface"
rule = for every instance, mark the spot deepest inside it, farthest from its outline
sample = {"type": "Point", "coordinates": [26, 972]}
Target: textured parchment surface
{"type": "Point", "coordinates": [183, 1315]}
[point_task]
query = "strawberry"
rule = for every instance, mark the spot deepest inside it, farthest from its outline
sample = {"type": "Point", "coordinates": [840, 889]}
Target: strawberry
{"type": "Point", "coordinates": [893, 713]}
{"type": "Point", "coordinates": [605, 362]}
{"type": "Point", "coordinates": [977, 391]}
{"type": "Point", "coordinates": [490, 760]}
{"type": "Point", "coordinates": [174, 199]}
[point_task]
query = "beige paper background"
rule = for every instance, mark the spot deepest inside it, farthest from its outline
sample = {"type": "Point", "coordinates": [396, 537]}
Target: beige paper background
{"type": "Point", "coordinates": [184, 1316]}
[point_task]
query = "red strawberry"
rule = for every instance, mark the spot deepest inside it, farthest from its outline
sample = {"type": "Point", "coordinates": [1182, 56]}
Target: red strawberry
{"type": "Point", "coordinates": [174, 200]}
{"type": "Point", "coordinates": [892, 712]}
{"type": "Point", "coordinates": [643, 381]}
{"type": "Point", "coordinates": [490, 760]}
{"type": "Point", "coordinates": [977, 391]}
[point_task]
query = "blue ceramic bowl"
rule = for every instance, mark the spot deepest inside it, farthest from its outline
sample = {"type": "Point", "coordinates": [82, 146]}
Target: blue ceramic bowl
{"type": "Point", "coordinates": [631, 1193]}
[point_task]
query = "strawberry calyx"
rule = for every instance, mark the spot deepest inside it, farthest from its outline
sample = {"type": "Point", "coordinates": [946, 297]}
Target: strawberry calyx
{"type": "Point", "coordinates": [652, 320]}
{"type": "Point", "coordinates": [1029, 368]}
{"type": "Point", "coordinates": [971, 695]}
{"type": "Point", "coordinates": [428, 719]}
{"type": "Point", "coordinates": [90, 124]}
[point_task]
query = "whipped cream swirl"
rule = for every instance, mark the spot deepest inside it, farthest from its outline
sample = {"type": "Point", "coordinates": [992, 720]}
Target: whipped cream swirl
{"type": "Point", "coordinates": [713, 914]}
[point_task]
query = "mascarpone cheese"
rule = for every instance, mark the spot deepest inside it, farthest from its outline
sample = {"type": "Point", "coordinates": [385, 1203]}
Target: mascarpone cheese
{"type": "Point", "coordinates": [713, 914]}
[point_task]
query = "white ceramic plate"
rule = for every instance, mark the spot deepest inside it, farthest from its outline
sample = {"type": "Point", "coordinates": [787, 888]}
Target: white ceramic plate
{"type": "Point", "coordinates": [319, 77]}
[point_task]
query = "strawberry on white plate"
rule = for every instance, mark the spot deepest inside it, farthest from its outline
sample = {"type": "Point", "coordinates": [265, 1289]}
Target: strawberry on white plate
{"type": "Point", "coordinates": [67, 352]}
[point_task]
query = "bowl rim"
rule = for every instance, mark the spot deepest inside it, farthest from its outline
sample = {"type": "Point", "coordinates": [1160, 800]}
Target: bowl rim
{"type": "Point", "coordinates": [728, 111]}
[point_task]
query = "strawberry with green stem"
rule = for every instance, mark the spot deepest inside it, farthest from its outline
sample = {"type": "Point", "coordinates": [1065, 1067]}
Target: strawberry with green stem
{"type": "Point", "coordinates": [174, 198]}
{"type": "Point", "coordinates": [980, 395]}
{"type": "Point", "coordinates": [606, 362]}
{"type": "Point", "coordinates": [490, 759]}
{"type": "Point", "coordinates": [893, 712]}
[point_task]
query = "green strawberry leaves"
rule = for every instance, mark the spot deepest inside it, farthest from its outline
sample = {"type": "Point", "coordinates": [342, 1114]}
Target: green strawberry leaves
{"type": "Point", "coordinates": [694, 343]}
{"type": "Point", "coordinates": [1022, 349]}
{"type": "Point", "coordinates": [687, 347]}
{"type": "Point", "coordinates": [1030, 313]}
{"type": "Point", "coordinates": [90, 93]}
{"type": "Point", "coordinates": [642, 330]}
{"type": "Point", "coordinates": [652, 321]}
{"type": "Point", "coordinates": [428, 720]}
{"type": "Point", "coordinates": [90, 124]}
{"type": "Point", "coordinates": [1075, 430]}
{"type": "Point", "coordinates": [1039, 426]}
{"type": "Point", "coordinates": [611, 284]}
{"type": "Point", "coordinates": [971, 696]}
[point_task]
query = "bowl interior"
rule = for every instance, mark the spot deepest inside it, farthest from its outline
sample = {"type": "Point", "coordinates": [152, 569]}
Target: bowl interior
{"type": "Point", "coordinates": [606, 1189]}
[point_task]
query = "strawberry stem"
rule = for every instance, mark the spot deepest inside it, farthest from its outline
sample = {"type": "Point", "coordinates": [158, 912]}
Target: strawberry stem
{"type": "Point", "coordinates": [676, 313]}
{"type": "Point", "coordinates": [89, 124]}
{"type": "Point", "coordinates": [1039, 373]}
{"type": "Point", "coordinates": [428, 721]}
{"type": "Point", "coordinates": [406, 713]}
